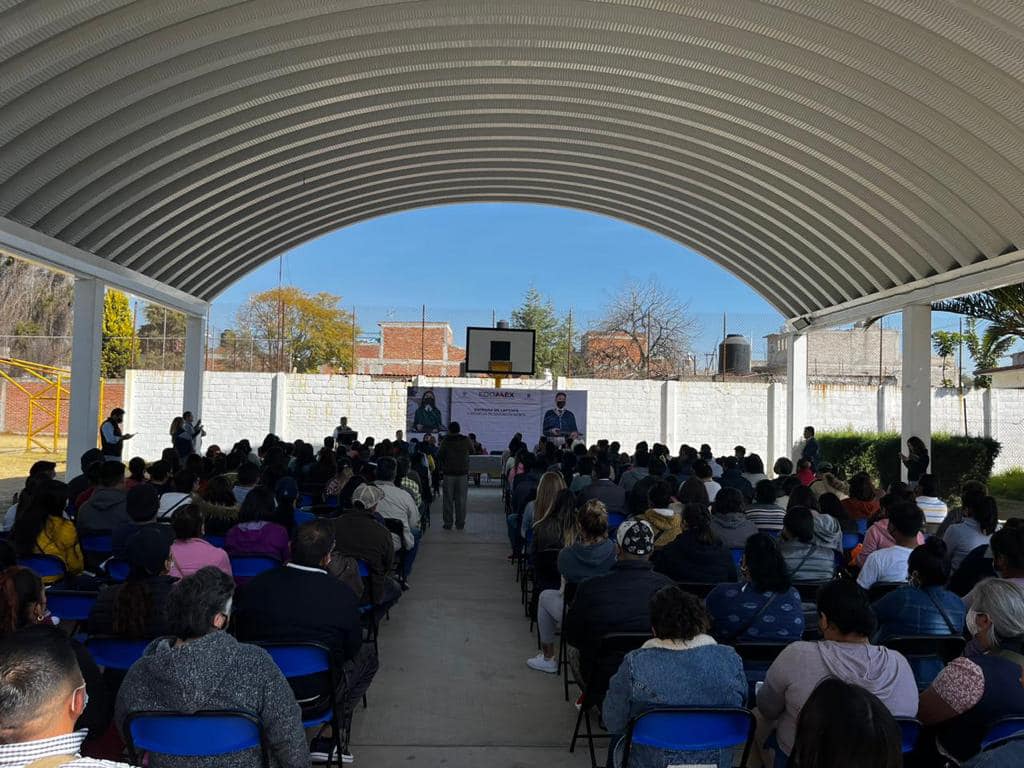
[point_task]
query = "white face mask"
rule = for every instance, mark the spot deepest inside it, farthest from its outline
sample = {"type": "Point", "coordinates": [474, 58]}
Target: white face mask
{"type": "Point", "coordinates": [972, 622]}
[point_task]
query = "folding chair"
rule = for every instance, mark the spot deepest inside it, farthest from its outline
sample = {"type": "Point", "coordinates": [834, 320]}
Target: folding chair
{"type": "Point", "coordinates": [303, 516]}
{"type": "Point", "coordinates": [202, 734]}
{"type": "Point", "coordinates": [1001, 731]}
{"type": "Point", "coordinates": [117, 569]}
{"type": "Point", "coordinates": [98, 543]}
{"type": "Point", "coordinates": [851, 541]}
{"type": "Point", "coordinates": [217, 541]}
{"type": "Point", "coordinates": [615, 519]}
{"type": "Point", "coordinates": [700, 589]}
{"type": "Point", "coordinates": [297, 660]}
{"type": "Point", "coordinates": [610, 647]}
{"type": "Point", "coordinates": [368, 611]}
{"type": "Point", "coordinates": [545, 576]}
{"type": "Point", "coordinates": [808, 590]}
{"type": "Point", "coordinates": [737, 556]}
{"type": "Point", "coordinates": [691, 729]}
{"type": "Point", "coordinates": [910, 731]}
{"type": "Point", "coordinates": [862, 526]}
{"type": "Point", "coordinates": [563, 652]}
{"type": "Point", "coordinates": [880, 589]}
{"type": "Point", "coordinates": [69, 605]}
{"type": "Point", "coordinates": [396, 528]}
{"type": "Point", "coordinates": [919, 649]}
{"type": "Point", "coordinates": [45, 566]}
{"type": "Point", "coordinates": [245, 567]}
{"type": "Point", "coordinates": [757, 657]}
{"type": "Point", "coordinates": [116, 652]}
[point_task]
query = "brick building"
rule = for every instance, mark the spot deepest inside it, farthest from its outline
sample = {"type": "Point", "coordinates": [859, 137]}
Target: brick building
{"type": "Point", "coordinates": [408, 349]}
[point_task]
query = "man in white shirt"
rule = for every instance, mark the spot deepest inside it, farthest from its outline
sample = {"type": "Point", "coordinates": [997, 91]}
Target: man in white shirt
{"type": "Point", "coordinates": [42, 694]}
{"type": "Point", "coordinates": [889, 565]}
{"type": "Point", "coordinates": [934, 508]}
{"type": "Point", "coordinates": [702, 471]}
{"type": "Point", "coordinates": [397, 504]}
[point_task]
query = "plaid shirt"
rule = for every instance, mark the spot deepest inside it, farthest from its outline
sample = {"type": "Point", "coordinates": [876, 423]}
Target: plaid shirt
{"type": "Point", "coordinates": [414, 490]}
{"type": "Point", "coordinates": [20, 755]}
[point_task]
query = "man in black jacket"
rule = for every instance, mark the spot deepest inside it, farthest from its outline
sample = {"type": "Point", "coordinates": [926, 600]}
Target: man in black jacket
{"type": "Point", "coordinates": [618, 601]}
{"type": "Point", "coordinates": [360, 534]}
{"type": "Point", "coordinates": [605, 490]}
{"type": "Point", "coordinates": [301, 602]}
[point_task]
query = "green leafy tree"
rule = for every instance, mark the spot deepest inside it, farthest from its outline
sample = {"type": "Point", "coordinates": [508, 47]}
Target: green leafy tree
{"type": "Point", "coordinates": [162, 338]}
{"type": "Point", "coordinates": [537, 312]}
{"type": "Point", "coordinates": [946, 344]}
{"type": "Point", "coordinates": [119, 343]}
{"type": "Point", "coordinates": [305, 331]}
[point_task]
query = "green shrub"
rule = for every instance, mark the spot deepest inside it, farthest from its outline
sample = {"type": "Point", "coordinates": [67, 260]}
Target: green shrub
{"type": "Point", "coordinates": [1008, 485]}
{"type": "Point", "coordinates": [954, 459]}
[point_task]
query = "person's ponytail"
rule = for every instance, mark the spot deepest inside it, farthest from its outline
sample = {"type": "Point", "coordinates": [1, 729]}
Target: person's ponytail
{"type": "Point", "coordinates": [986, 512]}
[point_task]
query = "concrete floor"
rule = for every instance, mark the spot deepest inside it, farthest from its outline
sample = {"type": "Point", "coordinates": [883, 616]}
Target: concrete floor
{"type": "Point", "coordinates": [453, 689]}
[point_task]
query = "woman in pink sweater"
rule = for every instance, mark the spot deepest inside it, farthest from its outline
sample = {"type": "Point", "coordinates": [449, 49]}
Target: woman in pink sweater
{"type": "Point", "coordinates": [256, 532]}
{"type": "Point", "coordinates": [190, 551]}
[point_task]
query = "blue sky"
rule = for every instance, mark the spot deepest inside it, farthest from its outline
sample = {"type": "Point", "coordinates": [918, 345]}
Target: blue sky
{"type": "Point", "coordinates": [463, 261]}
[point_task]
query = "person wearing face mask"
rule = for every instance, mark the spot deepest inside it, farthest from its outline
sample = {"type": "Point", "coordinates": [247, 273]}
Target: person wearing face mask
{"type": "Point", "coordinates": [560, 422]}
{"type": "Point", "coordinates": [427, 418]}
{"type": "Point", "coordinates": [201, 667]}
{"type": "Point", "coordinates": [23, 605]}
{"type": "Point", "coordinates": [983, 685]}
{"type": "Point", "coordinates": [43, 697]}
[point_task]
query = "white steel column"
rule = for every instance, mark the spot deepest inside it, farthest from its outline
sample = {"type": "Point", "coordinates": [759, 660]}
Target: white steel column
{"type": "Point", "coordinates": [86, 343]}
{"type": "Point", "coordinates": [916, 415]}
{"type": "Point", "coordinates": [796, 391]}
{"type": "Point", "coordinates": [195, 364]}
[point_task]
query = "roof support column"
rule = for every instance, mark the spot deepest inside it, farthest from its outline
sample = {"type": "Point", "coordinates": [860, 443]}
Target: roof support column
{"type": "Point", "coordinates": [916, 413]}
{"type": "Point", "coordinates": [796, 390]}
{"type": "Point", "coordinates": [86, 345]}
{"type": "Point", "coordinates": [195, 365]}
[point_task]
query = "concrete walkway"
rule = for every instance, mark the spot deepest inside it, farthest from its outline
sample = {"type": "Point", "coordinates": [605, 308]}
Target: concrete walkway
{"type": "Point", "coordinates": [454, 689]}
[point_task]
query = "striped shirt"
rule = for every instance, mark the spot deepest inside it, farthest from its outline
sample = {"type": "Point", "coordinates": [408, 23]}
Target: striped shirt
{"type": "Point", "coordinates": [767, 517]}
{"type": "Point", "coordinates": [27, 752]}
{"type": "Point", "coordinates": [934, 509]}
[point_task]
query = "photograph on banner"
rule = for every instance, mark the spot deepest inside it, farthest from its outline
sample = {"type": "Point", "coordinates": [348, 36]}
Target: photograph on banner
{"type": "Point", "coordinates": [495, 415]}
{"type": "Point", "coordinates": [427, 411]}
{"type": "Point", "coordinates": [565, 417]}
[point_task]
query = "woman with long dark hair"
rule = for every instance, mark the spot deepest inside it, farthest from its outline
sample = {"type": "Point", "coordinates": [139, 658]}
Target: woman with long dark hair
{"type": "Point", "coordinates": [256, 532]}
{"type": "Point", "coordinates": [42, 529]}
{"type": "Point", "coordinates": [696, 555]}
{"type": "Point", "coordinates": [981, 519]}
{"type": "Point", "coordinates": [916, 459]}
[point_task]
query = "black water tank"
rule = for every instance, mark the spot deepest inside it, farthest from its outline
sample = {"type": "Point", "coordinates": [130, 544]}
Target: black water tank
{"type": "Point", "coordinates": [734, 354]}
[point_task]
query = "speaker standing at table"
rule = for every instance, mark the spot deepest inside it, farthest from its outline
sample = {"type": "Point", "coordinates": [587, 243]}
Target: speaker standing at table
{"type": "Point", "coordinates": [560, 422]}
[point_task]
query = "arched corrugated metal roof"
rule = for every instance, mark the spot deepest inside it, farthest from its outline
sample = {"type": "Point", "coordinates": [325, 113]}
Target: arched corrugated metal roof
{"type": "Point", "coordinates": [821, 150]}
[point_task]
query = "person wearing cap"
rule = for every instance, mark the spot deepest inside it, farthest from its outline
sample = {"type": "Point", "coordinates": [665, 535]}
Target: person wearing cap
{"type": "Point", "coordinates": [135, 609]}
{"type": "Point", "coordinates": [359, 534]}
{"type": "Point", "coordinates": [618, 601]}
{"type": "Point", "coordinates": [142, 503]}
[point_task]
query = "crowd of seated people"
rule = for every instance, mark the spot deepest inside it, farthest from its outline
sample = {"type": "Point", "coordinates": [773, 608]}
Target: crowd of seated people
{"type": "Point", "coordinates": [151, 550]}
{"type": "Point", "coordinates": [822, 586]}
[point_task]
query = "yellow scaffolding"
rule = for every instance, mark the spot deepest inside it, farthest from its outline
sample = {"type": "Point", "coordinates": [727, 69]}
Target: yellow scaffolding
{"type": "Point", "coordinates": [43, 405]}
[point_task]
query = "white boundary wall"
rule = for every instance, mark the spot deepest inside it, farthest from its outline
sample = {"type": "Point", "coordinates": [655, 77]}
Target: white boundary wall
{"type": "Point", "coordinates": [724, 414]}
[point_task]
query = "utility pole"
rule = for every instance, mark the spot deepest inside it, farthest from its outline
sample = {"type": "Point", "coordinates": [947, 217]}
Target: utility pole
{"type": "Point", "coordinates": [881, 322]}
{"type": "Point", "coordinates": [568, 348]}
{"type": "Point", "coordinates": [423, 341]}
{"type": "Point", "coordinates": [280, 311]}
{"type": "Point", "coordinates": [355, 358]}
{"type": "Point", "coordinates": [960, 373]}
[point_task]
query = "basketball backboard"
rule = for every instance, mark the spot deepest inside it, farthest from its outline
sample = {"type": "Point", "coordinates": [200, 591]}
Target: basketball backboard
{"type": "Point", "coordinates": [502, 351]}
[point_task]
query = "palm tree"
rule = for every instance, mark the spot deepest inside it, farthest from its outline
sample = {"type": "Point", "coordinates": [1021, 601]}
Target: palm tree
{"type": "Point", "coordinates": [1003, 309]}
{"type": "Point", "coordinates": [986, 350]}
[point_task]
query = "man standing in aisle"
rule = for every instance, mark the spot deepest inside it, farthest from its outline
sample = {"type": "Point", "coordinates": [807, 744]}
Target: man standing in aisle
{"type": "Point", "coordinates": [453, 458]}
{"type": "Point", "coordinates": [111, 437]}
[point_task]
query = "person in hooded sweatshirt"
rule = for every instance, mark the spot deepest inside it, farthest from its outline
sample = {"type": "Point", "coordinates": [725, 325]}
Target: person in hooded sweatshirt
{"type": "Point", "coordinates": [846, 622]}
{"type": "Point", "coordinates": [664, 515]}
{"type": "Point", "coordinates": [201, 667]}
{"type": "Point", "coordinates": [592, 555]}
{"type": "Point", "coordinates": [728, 521]}
{"type": "Point", "coordinates": [696, 555]}
{"type": "Point", "coordinates": [107, 508]}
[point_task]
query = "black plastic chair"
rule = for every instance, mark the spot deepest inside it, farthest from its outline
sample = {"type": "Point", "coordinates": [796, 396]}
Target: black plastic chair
{"type": "Point", "coordinates": [568, 594]}
{"type": "Point", "coordinates": [757, 657]}
{"type": "Point", "coordinates": [924, 648]}
{"type": "Point", "coordinates": [545, 576]}
{"type": "Point", "coordinates": [691, 729]}
{"type": "Point", "coordinates": [808, 590]}
{"type": "Point", "coordinates": [612, 646]}
{"type": "Point", "coordinates": [700, 589]}
{"type": "Point", "coordinates": [880, 589]}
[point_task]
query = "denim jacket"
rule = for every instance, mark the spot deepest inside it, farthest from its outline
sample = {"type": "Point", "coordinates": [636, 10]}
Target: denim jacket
{"type": "Point", "coordinates": [696, 673]}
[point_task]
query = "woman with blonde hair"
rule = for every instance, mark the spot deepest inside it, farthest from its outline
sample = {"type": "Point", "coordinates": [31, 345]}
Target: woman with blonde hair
{"type": "Point", "coordinates": [547, 492]}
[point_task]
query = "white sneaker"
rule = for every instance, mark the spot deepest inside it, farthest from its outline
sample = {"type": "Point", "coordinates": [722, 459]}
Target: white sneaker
{"type": "Point", "coordinates": [541, 664]}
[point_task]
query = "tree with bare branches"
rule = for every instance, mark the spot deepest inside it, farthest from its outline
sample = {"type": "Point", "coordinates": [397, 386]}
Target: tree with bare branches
{"type": "Point", "coordinates": [645, 332]}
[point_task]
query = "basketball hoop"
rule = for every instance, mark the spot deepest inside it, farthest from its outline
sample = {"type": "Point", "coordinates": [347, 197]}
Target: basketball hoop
{"type": "Point", "coordinates": [497, 368]}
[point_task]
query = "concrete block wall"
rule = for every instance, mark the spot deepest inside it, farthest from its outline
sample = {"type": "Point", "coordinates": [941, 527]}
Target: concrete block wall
{"type": "Point", "coordinates": [724, 414]}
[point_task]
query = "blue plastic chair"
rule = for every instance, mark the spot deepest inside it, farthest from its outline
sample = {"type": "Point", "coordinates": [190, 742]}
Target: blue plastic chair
{"type": "Point", "coordinates": [737, 556]}
{"type": "Point", "coordinates": [217, 541]}
{"type": "Point", "coordinates": [1002, 730]}
{"type": "Point", "coordinates": [117, 569]}
{"type": "Point", "coordinates": [100, 543]}
{"type": "Point", "coordinates": [910, 730]}
{"type": "Point", "coordinates": [851, 540]}
{"type": "Point", "coordinates": [364, 569]}
{"type": "Point", "coordinates": [303, 516]}
{"type": "Point", "coordinates": [69, 605]}
{"type": "Point", "coordinates": [862, 526]}
{"type": "Point", "coordinates": [45, 566]}
{"type": "Point", "coordinates": [116, 652]}
{"type": "Point", "coordinates": [614, 521]}
{"type": "Point", "coordinates": [202, 734]}
{"type": "Point", "coordinates": [691, 729]}
{"type": "Point", "coordinates": [249, 566]}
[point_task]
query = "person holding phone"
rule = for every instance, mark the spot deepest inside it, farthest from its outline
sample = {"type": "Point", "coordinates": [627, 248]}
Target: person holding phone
{"type": "Point", "coordinates": [111, 437]}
